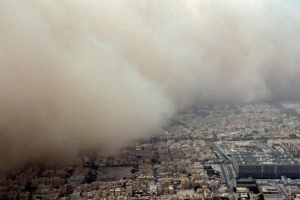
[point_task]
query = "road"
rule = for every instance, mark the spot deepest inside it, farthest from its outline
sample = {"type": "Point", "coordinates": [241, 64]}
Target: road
{"type": "Point", "coordinates": [228, 181]}
{"type": "Point", "coordinates": [220, 153]}
{"type": "Point", "coordinates": [281, 190]}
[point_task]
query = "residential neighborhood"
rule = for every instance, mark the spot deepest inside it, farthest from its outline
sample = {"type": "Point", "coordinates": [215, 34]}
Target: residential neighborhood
{"type": "Point", "coordinates": [205, 153]}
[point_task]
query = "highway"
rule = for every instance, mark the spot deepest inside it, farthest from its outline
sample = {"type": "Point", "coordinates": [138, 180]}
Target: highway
{"type": "Point", "coordinates": [220, 153]}
{"type": "Point", "coordinates": [280, 190]}
{"type": "Point", "coordinates": [222, 166]}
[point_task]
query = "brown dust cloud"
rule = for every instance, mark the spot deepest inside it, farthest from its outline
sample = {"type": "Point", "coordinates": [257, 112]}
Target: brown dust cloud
{"type": "Point", "coordinates": [96, 74]}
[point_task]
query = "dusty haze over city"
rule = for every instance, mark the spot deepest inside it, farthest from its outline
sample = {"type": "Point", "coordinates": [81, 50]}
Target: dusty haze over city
{"type": "Point", "coordinates": [94, 74]}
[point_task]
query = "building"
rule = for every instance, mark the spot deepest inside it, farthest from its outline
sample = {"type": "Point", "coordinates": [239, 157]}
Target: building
{"type": "Point", "coordinates": [261, 161]}
{"type": "Point", "coordinates": [270, 192]}
{"type": "Point", "coordinates": [262, 165]}
{"type": "Point", "coordinates": [245, 182]}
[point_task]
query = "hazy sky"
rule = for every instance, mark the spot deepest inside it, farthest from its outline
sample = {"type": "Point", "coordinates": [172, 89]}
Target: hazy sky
{"type": "Point", "coordinates": [96, 74]}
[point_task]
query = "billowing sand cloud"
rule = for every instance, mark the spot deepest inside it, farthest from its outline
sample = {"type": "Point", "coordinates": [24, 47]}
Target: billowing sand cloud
{"type": "Point", "coordinates": [96, 74]}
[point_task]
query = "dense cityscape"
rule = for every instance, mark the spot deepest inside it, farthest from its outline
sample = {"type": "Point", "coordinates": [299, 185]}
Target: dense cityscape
{"type": "Point", "coordinates": [212, 152]}
{"type": "Point", "coordinates": [150, 100]}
